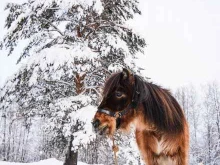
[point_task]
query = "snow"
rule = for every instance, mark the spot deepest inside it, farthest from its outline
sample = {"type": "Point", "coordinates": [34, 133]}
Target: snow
{"type": "Point", "coordinates": [18, 20]}
{"type": "Point", "coordinates": [51, 161]}
{"type": "Point", "coordinates": [84, 136]}
{"type": "Point", "coordinates": [64, 4]}
{"type": "Point", "coordinates": [42, 162]}
{"type": "Point", "coordinates": [81, 111]}
{"type": "Point", "coordinates": [59, 56]}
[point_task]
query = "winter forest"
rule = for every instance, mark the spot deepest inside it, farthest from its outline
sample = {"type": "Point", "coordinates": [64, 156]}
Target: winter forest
{"type": "Point", "coordinates": [71, 47]}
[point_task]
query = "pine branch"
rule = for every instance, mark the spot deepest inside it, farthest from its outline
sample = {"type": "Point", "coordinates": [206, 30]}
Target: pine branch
{"type": "Point", "coordinates": [103, 24]}
{"type": "Point", "coordinates": [54, 26]}
{"type": "Point", "coordinates": [58, 81]}
{"type": "Point", "coordinates": [92, 88]}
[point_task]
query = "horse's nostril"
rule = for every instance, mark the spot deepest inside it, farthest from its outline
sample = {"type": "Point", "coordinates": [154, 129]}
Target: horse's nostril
{"type": "Point", "coordinates": [96, 123]}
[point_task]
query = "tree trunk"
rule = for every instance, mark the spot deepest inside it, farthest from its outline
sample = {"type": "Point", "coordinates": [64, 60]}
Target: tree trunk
{"type": "Point", "coordinates": [79, 82]}
{"type": "Point", "coordinates": [71, 159]}
{"type": "Point", "coordinates": [71, 156]}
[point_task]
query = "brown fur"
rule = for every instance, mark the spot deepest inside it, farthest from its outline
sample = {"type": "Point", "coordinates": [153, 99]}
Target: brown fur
{"type": "Point", "coordinates": [161, 129]}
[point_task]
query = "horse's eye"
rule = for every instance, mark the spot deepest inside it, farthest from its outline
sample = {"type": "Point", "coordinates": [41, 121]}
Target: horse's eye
{"type": "Point", "coordinates": [118, 94]}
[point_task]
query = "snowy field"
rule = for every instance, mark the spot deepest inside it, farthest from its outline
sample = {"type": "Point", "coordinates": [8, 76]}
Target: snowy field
{"type": "Point", "coordinates": [43, 162]}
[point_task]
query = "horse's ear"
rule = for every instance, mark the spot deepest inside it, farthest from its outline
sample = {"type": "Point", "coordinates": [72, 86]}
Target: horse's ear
{"type": "Point", "coordinates": [127, 75]}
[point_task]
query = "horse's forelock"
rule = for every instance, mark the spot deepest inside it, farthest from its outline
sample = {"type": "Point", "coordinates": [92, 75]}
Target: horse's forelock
{"type": "Point", "coordinates": [112, 82]}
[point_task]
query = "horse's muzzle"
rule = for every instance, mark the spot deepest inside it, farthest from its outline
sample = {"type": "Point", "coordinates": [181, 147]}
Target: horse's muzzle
{"type": "Point", "coordinates": [97, 128]}
{"type": "Point", "coordinates": [96, 123]}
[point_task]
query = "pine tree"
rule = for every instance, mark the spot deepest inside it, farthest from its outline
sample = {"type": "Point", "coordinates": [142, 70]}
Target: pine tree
{"type": "Point", "coordinates": [98, 24]}
{"type": "Point", "coordinates": [72, 46]}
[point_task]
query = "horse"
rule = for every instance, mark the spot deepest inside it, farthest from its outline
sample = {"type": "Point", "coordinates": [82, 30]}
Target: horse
{"type": "Point", "coordinates": [161, 129]}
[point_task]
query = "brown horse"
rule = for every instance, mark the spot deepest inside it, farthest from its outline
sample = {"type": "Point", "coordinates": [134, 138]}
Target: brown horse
{"type": "Point", "coordinates": [161, 129]}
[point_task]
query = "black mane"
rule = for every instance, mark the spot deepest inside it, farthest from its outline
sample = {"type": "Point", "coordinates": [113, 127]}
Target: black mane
{"type": "Point", "coordinates": [160, 107]}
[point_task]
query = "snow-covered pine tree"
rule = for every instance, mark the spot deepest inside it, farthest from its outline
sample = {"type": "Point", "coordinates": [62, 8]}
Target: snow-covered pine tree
{"type": "Point", "coordinates": [72, 46]}
{"type": "Point", "coordinates": [102, 24]}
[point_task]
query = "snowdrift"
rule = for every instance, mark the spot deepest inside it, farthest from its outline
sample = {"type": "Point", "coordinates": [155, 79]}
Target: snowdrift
{"type": "Point", "coordinates": [42, 162]}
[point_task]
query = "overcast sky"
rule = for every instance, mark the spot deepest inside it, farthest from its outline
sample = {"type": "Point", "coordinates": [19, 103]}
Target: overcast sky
{"type": "Point", "coordinates": [183, 40]}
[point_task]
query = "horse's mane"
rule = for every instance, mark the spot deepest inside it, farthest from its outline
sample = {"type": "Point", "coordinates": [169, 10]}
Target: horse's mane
{"type": "Point", "coordinates": [160, 107]}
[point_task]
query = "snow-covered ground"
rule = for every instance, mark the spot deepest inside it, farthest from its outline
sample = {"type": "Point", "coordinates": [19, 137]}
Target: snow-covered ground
{"type": "Point", "coordinates": [42, 162]}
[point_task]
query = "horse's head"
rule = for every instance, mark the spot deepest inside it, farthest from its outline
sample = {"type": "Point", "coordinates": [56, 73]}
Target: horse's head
{"type": "Point", "coordinates": [117, 96]}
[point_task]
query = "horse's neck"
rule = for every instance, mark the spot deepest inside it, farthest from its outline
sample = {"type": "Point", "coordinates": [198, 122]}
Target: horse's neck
{"type": "Point", "coordinates": [141, 124]}
{"type": "Point", "coordinates": [136, 118]}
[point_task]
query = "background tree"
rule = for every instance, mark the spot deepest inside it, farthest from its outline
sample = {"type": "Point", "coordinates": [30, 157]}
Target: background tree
{"type": "Point", "coordinates": [211, 115]}
{"type": "Point", "coordinates": [187, 96]}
